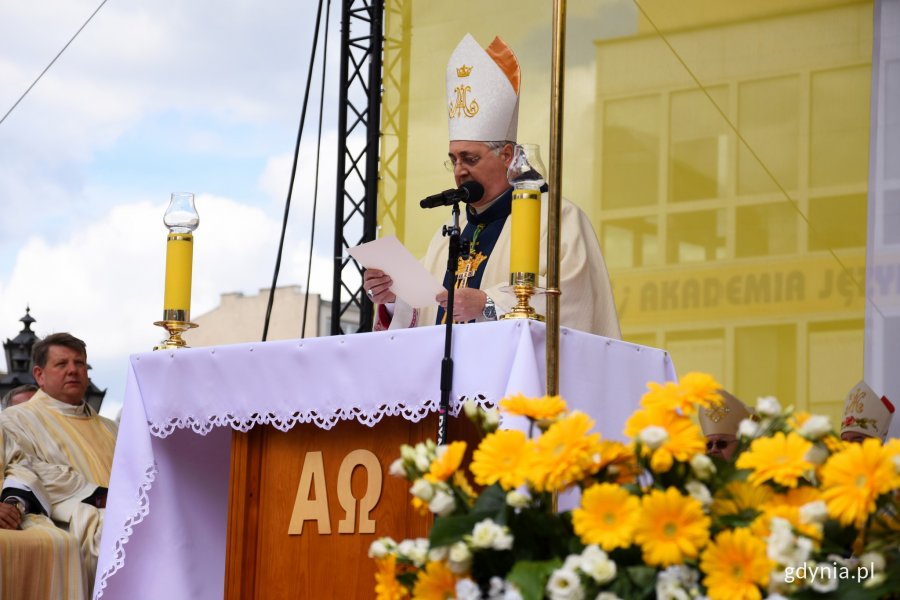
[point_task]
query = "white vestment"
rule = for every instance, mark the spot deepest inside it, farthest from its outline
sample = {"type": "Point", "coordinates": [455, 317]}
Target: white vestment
{"type": "Point", "coordinates": [586, 301]}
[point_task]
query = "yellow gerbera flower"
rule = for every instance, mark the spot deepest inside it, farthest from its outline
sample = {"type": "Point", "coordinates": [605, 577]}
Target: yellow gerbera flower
{"type": "Point", "coordinates": [796, 420]}
{"type": "Point", "coordinates": [739, 496]}
{"type": "Point", "coordinates": [619, 462]}
{"type": "Point", "coordinates": [435, 582]}
{"type": "Point", "coordinates": [461, 482]}
{"type": "Point", "coordinates": [386, 585]}
{"type": "Point", "coordinates": [446, 463]}
{"type": "Point", "coordinates": [834, 444]}
{"type": "Point", "coordinates": [500, 457]}
{"type": "Point", "coordinates": [799, 496]}
{"type": "Point", "coordinates": [853, 479]}
{"type": "Point", "coordinates": [548, 407]}
{"type": "Point", "coordinates": [736, 565]}
{"type": "Point", "coordinates": [762, 525]}
{"type": "Point", "coordinates": [684, 437]}
{"type": "Point", "coordinates": [701, 390]}
{"type": "Point", "coordinates": [607, 516]}
{"type": "Point", "coordinates": [564, 454]}
{"type": "Point", "coordinates": [692, 391]}
{"type": "Point", "coordinates": [787, 506]}
{"type": "Point", "coordinates": [670, 527]}
{"type": "Point", "coordinates": [780, 458]}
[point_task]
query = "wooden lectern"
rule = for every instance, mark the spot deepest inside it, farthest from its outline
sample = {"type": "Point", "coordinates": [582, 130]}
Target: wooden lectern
{"type": "Point", "coordinates": [275, 482]}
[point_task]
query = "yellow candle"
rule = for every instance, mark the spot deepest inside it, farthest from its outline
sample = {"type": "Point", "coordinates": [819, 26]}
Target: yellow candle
{"type": "Point", "coordinates": [526, 231]}
{"type": "Point", "coordinates": [179, 260]}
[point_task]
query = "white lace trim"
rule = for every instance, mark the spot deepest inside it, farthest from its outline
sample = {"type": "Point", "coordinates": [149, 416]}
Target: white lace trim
{"type": "Point", "coordinates": [280, 422]}
{"type": "Point", "coordinates": [143, 509]}
{"type": "Point", "coordinates": [289, 421]}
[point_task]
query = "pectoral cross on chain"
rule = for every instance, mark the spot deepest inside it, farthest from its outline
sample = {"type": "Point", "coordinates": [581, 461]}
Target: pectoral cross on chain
{"type": "Point", "coordinates": [466, 268]}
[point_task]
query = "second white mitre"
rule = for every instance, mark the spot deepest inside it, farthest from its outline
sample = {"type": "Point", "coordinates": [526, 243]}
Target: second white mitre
{"type": "Point", "coordinates": [483, 105]}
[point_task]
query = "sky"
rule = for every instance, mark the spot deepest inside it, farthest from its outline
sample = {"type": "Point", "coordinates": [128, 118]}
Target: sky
{"type": "Point", "coordinates": [155, 97]}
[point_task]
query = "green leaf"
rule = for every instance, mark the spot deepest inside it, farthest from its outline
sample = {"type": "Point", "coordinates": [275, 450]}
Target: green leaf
{"type": "Point", "coordinates": [531, 577]}
{"type": "Point", "coordinates": [491, 504]}
{"type": "Point", "coordinates": [451, 529]}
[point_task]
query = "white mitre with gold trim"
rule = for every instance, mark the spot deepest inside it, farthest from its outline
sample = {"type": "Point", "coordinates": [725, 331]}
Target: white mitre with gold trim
{"type": "Point", "coordinates": [866, 413]}
{"type": "Point", "coordinates": [483, 92]}
{"type": "Point", "coordinates": [724, 418]}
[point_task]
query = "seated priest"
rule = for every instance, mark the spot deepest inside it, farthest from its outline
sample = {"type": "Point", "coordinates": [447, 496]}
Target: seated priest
{"type": "Point", "coordinates": [58, 451]}
{"type": "Point", "coordinates": [483, 88]}
{"type": "Point", "coordinates": [37, 558]}
{"type": "Point", "coordinates": [866, 415]}
{"type": "Point", "coordinates": [18, 395]}
{"type": "Point", "coordinates": [720, 426]}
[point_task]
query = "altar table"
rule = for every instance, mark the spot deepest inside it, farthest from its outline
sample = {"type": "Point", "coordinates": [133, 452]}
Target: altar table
{"type": "Point", "coordinates": [165, 526]}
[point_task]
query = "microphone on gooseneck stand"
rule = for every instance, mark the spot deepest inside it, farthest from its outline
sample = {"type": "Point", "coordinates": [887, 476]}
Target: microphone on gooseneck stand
{"type": "Point", "coordinates": [468, 192]}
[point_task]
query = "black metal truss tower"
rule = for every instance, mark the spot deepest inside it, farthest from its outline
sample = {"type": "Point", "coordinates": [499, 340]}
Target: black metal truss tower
{"type": "Point", "coordinates": [362, 38]}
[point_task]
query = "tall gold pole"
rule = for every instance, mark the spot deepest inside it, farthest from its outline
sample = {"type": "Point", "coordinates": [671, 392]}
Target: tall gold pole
{"type": "Point", "coordinates": [553, 226]}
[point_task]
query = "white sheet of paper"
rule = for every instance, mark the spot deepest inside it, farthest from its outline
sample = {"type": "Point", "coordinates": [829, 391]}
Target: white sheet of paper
{"type": "Point", "coordinates": [412, 283]}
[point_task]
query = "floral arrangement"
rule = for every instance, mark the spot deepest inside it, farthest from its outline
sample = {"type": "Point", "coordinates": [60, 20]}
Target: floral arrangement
{"type": "Point", "coordinates": [798, 513]}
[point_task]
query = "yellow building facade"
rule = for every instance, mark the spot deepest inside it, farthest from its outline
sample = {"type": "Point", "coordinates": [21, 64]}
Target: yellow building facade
{"type": "Point", "coordinates": [721, 150]}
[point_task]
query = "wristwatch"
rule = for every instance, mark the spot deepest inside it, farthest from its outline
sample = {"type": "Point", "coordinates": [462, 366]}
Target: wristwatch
{"type": "Point", "coordinates": [19, 503]}
{"type": "Point", "coordinates": [490, 311]}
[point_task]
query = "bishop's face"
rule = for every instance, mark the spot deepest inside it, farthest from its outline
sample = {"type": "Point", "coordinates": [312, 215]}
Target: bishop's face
{"type": "Point", "coordinates": [474, 161]}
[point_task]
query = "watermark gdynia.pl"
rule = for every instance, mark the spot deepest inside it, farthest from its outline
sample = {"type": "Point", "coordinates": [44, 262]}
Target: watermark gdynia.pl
{"type": "Point", "coordinates": [823, 571]}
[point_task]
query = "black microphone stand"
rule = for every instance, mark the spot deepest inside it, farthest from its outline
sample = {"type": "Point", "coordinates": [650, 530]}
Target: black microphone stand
{"type": "Point", "coordinates": [455, 249]}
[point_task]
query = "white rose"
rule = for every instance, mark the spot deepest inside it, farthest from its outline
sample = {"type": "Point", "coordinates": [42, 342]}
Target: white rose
{"type": "Point", "coordinates": [872, 560]}
{"type": "Point", "coordinates": [382, 547]}
{"type": "Point", "coordinates": [516, 499]}
{"type": "Point", "coordinates": [423, 462]}
{"type": "Point", "coordinates": [699, 492]}
{"type": "Point", "coordinates": [824, 583]}
{"type": "Point", "coordinates": [497, 586]}
{"type": "Point", "coordinates": [703, 466]}
{"type": "Point", "coordinates": [815, 427]}
{"type": "Point", "coordinates": [438, 554]}
{"type": "Point", "coordinates": [607, 596]}
{"type": "Point", "coordinates": [471, 408]}
{"type": "Point", "coordinates": [460, 558]}
{"type": "Point", "coordinates": [421, 489]}
{"type": "Point", "coordinates": [442, 503]}
{"type": "Point", "coordinates": [487, 534]}
{"type": "Point", "coordinates": [565, 585]}
{"type": "Point", "coordinates": [653, 436]}
{"type": "Point", "coordinates": [466, 589]}
{"type": "Point", "coordinates": [817, 455]}
{"type": "Point", "coordinates": [813, 512]}
{"type": "Point", "coordinates": [748, 428]}
{"type": "Point", "coordinates": [491, 419]}
{"type": "Point", "coordinates": [414, 550]}
{"type": "Point", "coordinates": [418, 554]}
{"type": "Point", "coordinates": [396, 469]}
{"type": "Point", "coordinates": [596, 564]}
{"type": "Point", "coordinates": [407, 453]}
{"type": "Point", "coordinates": [511, 593]}
{"type": "Point", "coordinates": [768, 406]}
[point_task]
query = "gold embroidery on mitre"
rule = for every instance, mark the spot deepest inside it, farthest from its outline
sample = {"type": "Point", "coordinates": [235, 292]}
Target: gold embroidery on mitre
{"type": "Point", "coordinates": [463, 71]}
{"type": "Point", "coordinates": [461, 104]}
{"type": "Point", "coordinates": [717, 413]}
{"type": "Point", "coordinates": [466, 268]}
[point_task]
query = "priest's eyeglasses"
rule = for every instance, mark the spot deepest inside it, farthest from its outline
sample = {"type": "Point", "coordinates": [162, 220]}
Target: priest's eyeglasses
{"type": "Point", "coordinates": [468, 160]}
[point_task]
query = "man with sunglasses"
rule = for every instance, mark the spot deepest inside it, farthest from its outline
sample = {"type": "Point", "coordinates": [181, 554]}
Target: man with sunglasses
{"type": "Point", "coordinates": [720, 426]}
{"type": "Point", "coordinates": [483, 101]}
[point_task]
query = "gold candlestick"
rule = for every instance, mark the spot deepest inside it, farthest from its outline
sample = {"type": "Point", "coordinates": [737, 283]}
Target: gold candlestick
{"type": "Point", "coordinates": [523, 285]}
{"type": "Point", "coordinates": [526, 174]}
{"type": "Point", "coordinates": [182, 219]}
